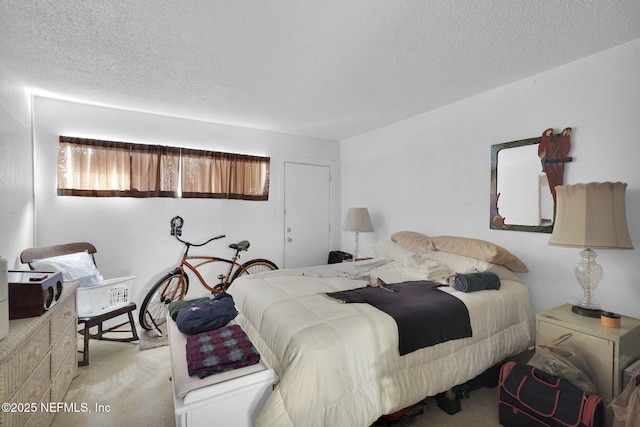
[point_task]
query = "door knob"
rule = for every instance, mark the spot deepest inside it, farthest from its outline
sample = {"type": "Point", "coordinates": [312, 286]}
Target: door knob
{"type": "Point", "coordinates": [289, 239]}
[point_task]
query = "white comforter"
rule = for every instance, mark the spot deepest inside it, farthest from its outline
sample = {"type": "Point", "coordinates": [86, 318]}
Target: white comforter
{"type": "Point", "coordinates": [339, 364]}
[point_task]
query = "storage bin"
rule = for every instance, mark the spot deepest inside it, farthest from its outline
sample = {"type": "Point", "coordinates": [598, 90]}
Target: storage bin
{"type": "Point", "coordinates": [230, 398]}
{"type": "Point", "coordinates": [112, 294]}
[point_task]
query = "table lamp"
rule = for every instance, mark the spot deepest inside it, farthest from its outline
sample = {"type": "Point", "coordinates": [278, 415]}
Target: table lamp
{"type": "Point", "coordinates": [590, 216]}
{"type": "Point", "coordinates": [357, 220]}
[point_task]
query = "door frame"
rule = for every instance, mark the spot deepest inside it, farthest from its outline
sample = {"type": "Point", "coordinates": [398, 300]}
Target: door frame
{"type": "Point", "coordinates": [334, 234]}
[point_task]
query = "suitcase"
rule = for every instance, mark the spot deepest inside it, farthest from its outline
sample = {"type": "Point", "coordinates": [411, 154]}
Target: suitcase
{"type": "Point", "coordinates": [529, 397]}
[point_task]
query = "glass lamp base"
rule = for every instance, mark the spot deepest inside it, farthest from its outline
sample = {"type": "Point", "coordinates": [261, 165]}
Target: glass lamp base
{"type": "Point", "coordinates": [589, 273]}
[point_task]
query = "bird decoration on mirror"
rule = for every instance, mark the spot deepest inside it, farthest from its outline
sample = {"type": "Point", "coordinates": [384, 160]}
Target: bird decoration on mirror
{"type": "Point", "coordinates": [552, 151]}
{"type": "Point", "coordinates": [498, 220]}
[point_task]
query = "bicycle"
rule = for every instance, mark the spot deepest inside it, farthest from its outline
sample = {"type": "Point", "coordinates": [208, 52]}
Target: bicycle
{"type": "Point", "coordinates": [174, 285]}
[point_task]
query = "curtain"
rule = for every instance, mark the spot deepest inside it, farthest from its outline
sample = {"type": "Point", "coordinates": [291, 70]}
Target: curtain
{"type": "Point", "coordinates": [249, 177]}
{"type": "Point", "coordinates": [88, 167]}
{"type": "Point", "coordinates": [204, 174]}
{"type": "Point", "coordinates": [154, 170]}
{"type": "Point", "coordinates": [208, 174]}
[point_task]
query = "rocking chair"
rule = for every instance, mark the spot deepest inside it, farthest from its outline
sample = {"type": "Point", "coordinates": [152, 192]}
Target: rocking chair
{"type": "Point", "coordinates": [28, 256]}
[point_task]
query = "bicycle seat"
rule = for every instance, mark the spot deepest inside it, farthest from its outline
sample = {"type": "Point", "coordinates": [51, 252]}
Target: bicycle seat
{"type": "Point", "coordinates": [240, 246]}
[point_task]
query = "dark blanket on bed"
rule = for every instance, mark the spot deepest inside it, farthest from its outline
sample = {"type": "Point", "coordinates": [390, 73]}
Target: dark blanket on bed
{"type": "Point", "coordinates": [424, 314]}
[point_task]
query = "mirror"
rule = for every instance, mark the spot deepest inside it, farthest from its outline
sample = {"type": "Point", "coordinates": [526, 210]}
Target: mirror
{"type": "Point", "coordinates": [521, 199]}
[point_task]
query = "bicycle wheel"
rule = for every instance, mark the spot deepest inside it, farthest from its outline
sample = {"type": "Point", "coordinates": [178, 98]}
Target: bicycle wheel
{"type": "Point", "coordinates": [253, 267]}
{"type": "Point", "coordinates": [153, 312]}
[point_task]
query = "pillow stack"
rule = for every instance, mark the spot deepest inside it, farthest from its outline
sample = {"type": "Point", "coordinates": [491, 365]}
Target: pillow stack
{"type": "Point", "coordinates": [474, 248]}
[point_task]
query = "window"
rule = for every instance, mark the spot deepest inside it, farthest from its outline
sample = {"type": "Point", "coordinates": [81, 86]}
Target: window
{"type": "Point", "coordinates": [224, 175]}
{"type": "Point", "coordinates": [88, 167]}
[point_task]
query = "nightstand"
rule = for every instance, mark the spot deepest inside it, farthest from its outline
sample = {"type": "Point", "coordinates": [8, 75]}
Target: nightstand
{"type": "Point", "coordinates": [607, 350]}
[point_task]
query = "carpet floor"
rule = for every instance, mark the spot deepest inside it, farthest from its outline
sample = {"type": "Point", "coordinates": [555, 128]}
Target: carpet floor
{"type": "Point", "coordinates": [121, 386]}
{"type": "Point", "coordinates": [125, 386]}
{"type": "Point", "coordinates": [152, 339]}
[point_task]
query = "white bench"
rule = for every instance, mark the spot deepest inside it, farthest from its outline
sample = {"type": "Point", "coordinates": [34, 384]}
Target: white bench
{"type": "Point", "coordinates": [231, 398]}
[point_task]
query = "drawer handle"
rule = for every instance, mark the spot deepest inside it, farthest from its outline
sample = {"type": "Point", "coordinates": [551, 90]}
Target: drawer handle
{"type": "Point", "coordinates": [35, 353]}
{"type": "Point", "coordinates": [548, 316]}
{"type": "Point", "coordinates": [69, 343]}
{"type": "Point", "coordinates": [65, 344]}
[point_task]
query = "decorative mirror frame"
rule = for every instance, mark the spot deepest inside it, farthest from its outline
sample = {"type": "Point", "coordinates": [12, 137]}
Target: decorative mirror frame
{"type": "Point", "coordinates": [496, 222]}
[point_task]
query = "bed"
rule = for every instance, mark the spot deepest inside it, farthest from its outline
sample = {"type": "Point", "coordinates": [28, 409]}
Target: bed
{"type": "Point", "coordinates": [339, 364]}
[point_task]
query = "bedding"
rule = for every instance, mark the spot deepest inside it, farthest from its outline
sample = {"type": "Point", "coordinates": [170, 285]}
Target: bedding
{"type": "Point", "coordinates": [475, 248]}
{"type": "Point", "coordinates": [413, 241]}
{"type": "Point", "coordinates": [339, 364]}
{"type": "Point", "coordinates": [416, 307]}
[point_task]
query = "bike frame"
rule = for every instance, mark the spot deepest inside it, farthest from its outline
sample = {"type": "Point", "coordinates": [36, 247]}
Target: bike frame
{"type": "Point", "coordinates": [204, 260]}
{"type": "Point", "coordinates": [175, 283]}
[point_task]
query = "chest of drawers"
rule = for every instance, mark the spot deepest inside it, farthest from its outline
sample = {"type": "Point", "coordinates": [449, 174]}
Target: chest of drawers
{"type": "Point", "coordinates": [38, 360]}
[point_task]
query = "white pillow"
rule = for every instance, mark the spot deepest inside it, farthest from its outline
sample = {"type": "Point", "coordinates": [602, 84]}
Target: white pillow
{"type": "Point", "coordinates": [464, 264]}
{"type": "Point", "coordinates": [78, 266]}
{"type": "Point", "coordinates": [435, 272]}
{"type": "Point", "coordinates": [412, 266]}
{"type": "Point", "coordinates": [391, 250]}
{"type": "Point", "coordinates": [458, 263]}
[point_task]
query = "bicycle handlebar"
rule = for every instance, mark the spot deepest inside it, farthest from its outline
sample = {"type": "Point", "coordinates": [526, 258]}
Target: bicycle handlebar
{"type": "Point", "coordinates": [199, 244]}
{"type": "Point", "coordinates": [176, 231]}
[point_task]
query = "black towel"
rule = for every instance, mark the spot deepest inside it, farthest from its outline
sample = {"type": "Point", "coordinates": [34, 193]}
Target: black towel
{"type": "Point", "coordinates": [476, 281]}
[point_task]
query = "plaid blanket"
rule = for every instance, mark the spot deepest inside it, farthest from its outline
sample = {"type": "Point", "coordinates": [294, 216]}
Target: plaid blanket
{"type": "Point", "coordinates": [219, 350]}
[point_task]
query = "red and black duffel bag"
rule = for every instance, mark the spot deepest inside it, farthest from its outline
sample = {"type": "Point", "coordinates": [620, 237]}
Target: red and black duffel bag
{"type": "Point", "coordinates": [529, 397]}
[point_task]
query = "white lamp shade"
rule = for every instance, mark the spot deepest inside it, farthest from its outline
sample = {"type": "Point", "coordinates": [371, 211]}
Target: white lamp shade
{"type": "Point", "coordinates": [591, 216]}
{"type": "Point", "coordinates": [358, 219]}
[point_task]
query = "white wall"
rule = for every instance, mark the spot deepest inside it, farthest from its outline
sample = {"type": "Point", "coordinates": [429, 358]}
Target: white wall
{"type": "Point", "coordinates": [16, 231]}
{"type": "Point", "coordinates": [432, 173]}
{"type": "Point", "coordinates": [132, 235]}
{"type": "Point", "coordinates": [429, 173]}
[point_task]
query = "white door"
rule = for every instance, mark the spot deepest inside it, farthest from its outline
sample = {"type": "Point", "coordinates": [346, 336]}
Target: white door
{"type": "Point", "coordinates": [307, 216]}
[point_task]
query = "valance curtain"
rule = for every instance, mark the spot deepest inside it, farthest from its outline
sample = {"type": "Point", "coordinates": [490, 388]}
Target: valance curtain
{"type": "Point", "coordinates": [85, 169]}
{"type": "Point", "coordinates": [249, 177]}
{"type": "Point", "coordinates": [208, 174]}
{"type": "Point", "coordinates": [88, 167]}
{"type": "Point", "coordinates": [155, 170]}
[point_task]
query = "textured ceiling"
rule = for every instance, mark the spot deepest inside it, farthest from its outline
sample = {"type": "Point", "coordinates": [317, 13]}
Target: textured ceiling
{"type": "Point", "coordinates": [331, 69]}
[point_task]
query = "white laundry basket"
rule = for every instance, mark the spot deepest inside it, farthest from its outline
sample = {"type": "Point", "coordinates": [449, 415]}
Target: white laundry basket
{"type": "Point", "coordinates": [112, 294]}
